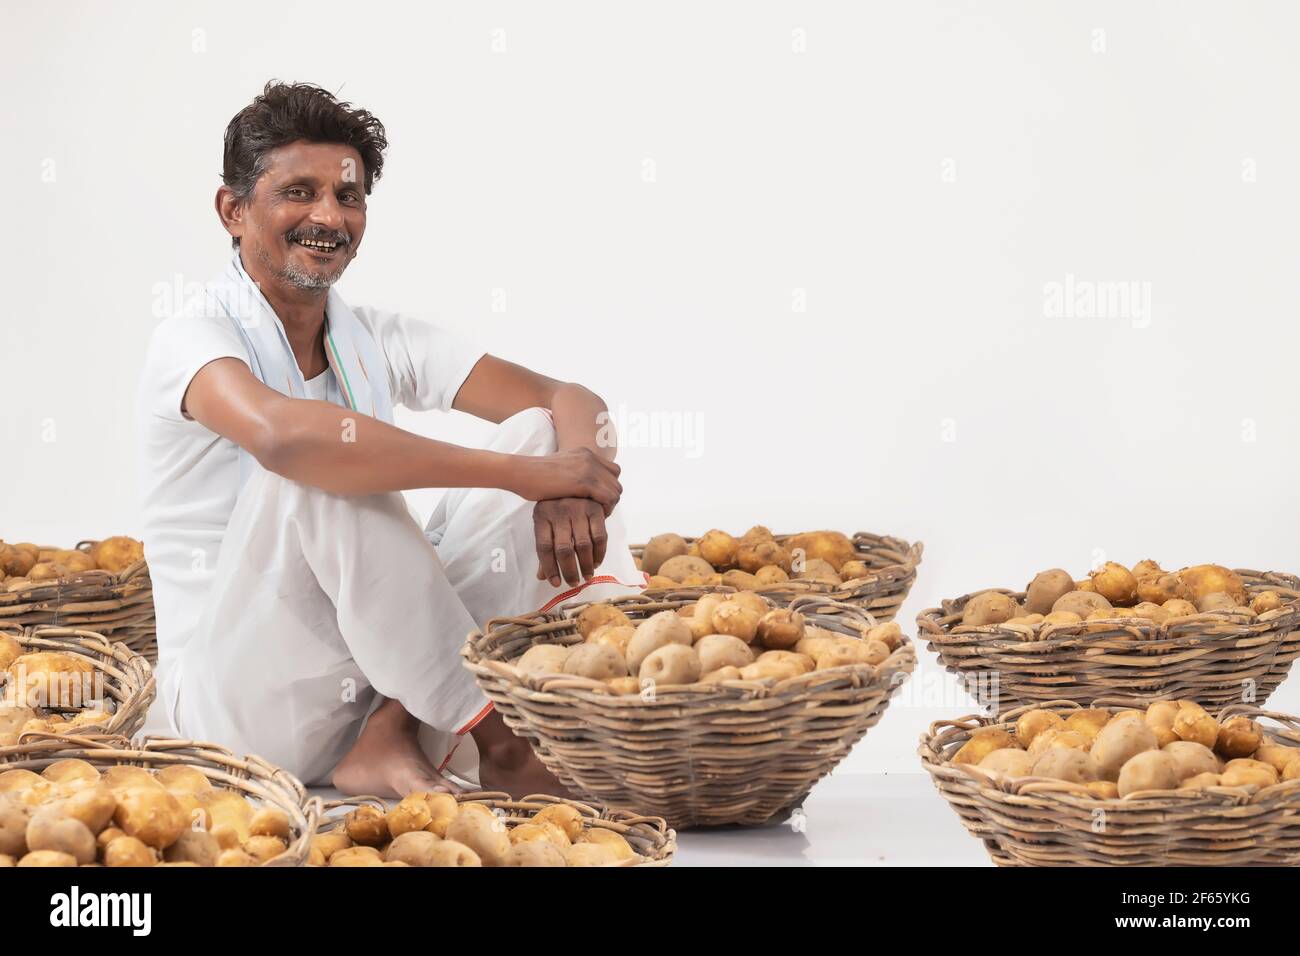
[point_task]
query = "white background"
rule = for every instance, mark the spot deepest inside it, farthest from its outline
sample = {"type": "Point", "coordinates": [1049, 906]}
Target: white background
{"type": "Point", "coordinates": [916, 176]}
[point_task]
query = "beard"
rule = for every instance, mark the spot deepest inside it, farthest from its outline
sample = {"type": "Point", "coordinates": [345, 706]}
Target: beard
{"type": "Point", "coordinates": [300, 277]}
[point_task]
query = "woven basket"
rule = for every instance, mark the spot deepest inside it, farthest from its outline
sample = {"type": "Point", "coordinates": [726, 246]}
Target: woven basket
{"type": "Point", "coordinates": [739, 752]}
{"type": "Point", "coordinates": [127, 679]}
{"type": "Point", "coordinates": [251, 776]}
{"type": "Point", "coordinates": [1215, 658]}
{"type": "Point", "coordinates": [893, 562]}
{"type": "Point", "coordinates": [118, 606]}
{"type": "Point", "coordinates": [1033, 821]}
{"type": "Point", "coordinates": [649, 836]}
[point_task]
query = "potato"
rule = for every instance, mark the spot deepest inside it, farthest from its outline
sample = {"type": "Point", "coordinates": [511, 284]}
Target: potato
{"type": "Point", "coordinates": [77, 562]}
{"type": "Point", "coordinates": [720, 675]}
{"type": "Point", "coordinates": [845, 651]}
{"type": "Point", "coordinates": [1177, 607]}
{"type": "Point", "coordinates": [272, 822]}
{"type": "Point", "coordinates": [816, 640]}
{"type": "Point", "coordinates": [589, 854]}
{"type": "Point", "coordinates": [1205, 579]}
{"type": "Point", "coordinates": [1152, 612]}
{"type": "Point", "coordinates": [93, 807]}
{"type": "Point", "coordinates": [754, 555]}
{"type": "Point", "coordinates": [485, 835]}
{"type": "Point", "coordinates": [595, 616]}
{"type": "Point", "coordinates": [1292, 771]}
{"type": "Point", "coordinates": [125, 777]}
{"type": "Point", "coordinates": [740, 580]}
{"type": "Point", "coordinates": [1102, 789]}
{"type": "Point", "coordinates": [770, 574]}
{"type": "Point", "coordinates": [653, 633]}
{"type": "Point", "coordinates": [982, 743]}
{"type": "Point", "coordinates": [413, 847]}
{"type": "Point", "coordinates": [1160, 718]}
{"type": "Point", "coordinates": [855, 571]}
{"type": "Point", "coordinates": [1149, 770]}
{"type": "Point", "coordinates": [330, 842]}
{"type": "Point", "coordinates": [1218, 601]}
{"type": "Point", "coordinates": [834, 548]}
{"type": "Point", "coordinates": [1248, 773]}
{"type": "Point", "coordinates": [1087, 722]}
{"type": "Point", "coordinates": [1277, 756]}
{"type": "Point", "coordinates": [1046, 588]}
{"type": "Point", "coordinates": [1157, 588]}
{"type": "Point", "coordinates": [780, 628]}
{"type": "Point", "coordinates": [1200, 781]}
{"type": "Point", "coordinates": [1065, 763]}
{"type": "Point", "coordinates": [1034, 722]}
{"type": "Point", "coordinates": [1192, 758]}
{"type": "Point", "coordinates": [411, 814]}
{"type": "Point", "coordinates": [815, 569]}
{"type": "Point", "coordinates": [194, 846]}
{"type": "Point", "coordinates": [1263, 601]}
{"type": "Point", "coordinates": [452, 853]}
{"type": "Point", "coordinates": [1238, 737]}
{"type": "Point", "coordinates": [718, 548]}
{"type": "Point", "coordinates": [152, 816]}
{"type": "Point", "coordinates": [117, 553]}
{"type": "Point", "coordinates": [10, 650]}
{"type": "Point", "coordinates": [684, 566]}
{"type": "Point", "coordinates": [1118, 742]}
{"type": "Point", "coordinates": [623, 686]}
{"type": "Point", "coordinates": [1081, 603]}
{"type": "Point", "coordinates": [534, 853]}
{"type": "Point", "coordinates": [803, 662]}
{"type": "Point", "coordinates": [615, 841]}
{"type": "Point", "coordinates": [48, 571]}
{"type": "Point", "coordinates": [596, 662]}
{"type": "Point", "coordinates": [48, 858]}
{"type": "Point", "coordinates": [546, 832]}
{"type": "Point", "coordinates": [659, 581]}
{"type": "Point", "coordinates": [7, 861]}
{"type": "Point", "coordinates": [356, 856]}
{"type": "Point", "coordinates": [770, 670]}
{"type": "Point", "coordinates": [236, 856]}
{"type": "Point", "coordinates": [543, 659]}
{"type": "Point", "coordinates": [367, 826]}
{"type": "Point", "coordinates": [183, 779]}
{"type": "Point", "coordinates": [1147, 568]}
{"type": "Point", "coordinates": [1194, 724]}
{"type": "Point", "coordinates": [13, 717]}
{"type": "Point", "coordinates": [735, 618]}
{"type": "Point", "coordinates": [700, 620]}
{"type": "Point", "coordinates": [50, 829]}
{"type": "Point", "coordinates": [617, 636]}
{"type": "Point", "coordinates": [1116, 584]}
{"type": "Point", "coordinates": [1062, 618]}
{"type": "Point", "coordinates": [671, 664]}
{"type": "Point", "coordinates": [722, 650]}
{"type": "Point", "coordinates": [14, 562]}
{"type": "Point", "coordinates": [1058, 737]}
{"type": "Point", "coordinates": [989, 607]}
{"type": "Point", "coordinates": [891, 635]}
{"type": "Point", "coordinates": [128, 851]}
{"type": "Point", "coordinates": [659, 549]}
{"type": "Point", "coordinates": [54, 679]}
{"type": "Point", "coordinates": [14, 818]}
{"type": "Point", "coordinates": [1008, 761]}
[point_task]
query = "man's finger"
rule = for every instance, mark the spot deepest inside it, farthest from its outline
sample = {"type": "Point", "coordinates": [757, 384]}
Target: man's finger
{"type": "Point", "coordinates": [599, 537]}
{"type": "Point", "coordinates": [546, 569]}
{"type": "Point", "coordinates": [565, 557]}
{"type": "Point", "coordinates": [582, 541]}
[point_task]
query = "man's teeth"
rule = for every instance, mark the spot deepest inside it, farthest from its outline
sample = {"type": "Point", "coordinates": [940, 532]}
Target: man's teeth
{"type": "Point", "coordinates": [318, 244]}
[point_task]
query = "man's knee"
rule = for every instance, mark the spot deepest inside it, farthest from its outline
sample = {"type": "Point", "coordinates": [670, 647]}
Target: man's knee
{"type": "Point", "coordinates": [530, 432]}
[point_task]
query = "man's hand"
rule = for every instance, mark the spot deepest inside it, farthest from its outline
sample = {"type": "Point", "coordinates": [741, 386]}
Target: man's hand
{"type": "Point", "coordinates": [571, 539]}
{"type": "Point", "coordinates": [572, 473]}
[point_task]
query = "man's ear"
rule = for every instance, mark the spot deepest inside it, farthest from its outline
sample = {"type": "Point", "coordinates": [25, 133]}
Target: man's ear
{"type": "Point", "coordinates": [230, 210]}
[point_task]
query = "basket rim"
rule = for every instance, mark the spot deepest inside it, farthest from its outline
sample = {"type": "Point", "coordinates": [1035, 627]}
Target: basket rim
{"type": "Point", "coordinates": [557, 688]}
{"type": "Point", "coordinates": [594, 815]}
{"type": "Point", "coordinates": [89, 580]}
{"type": "Point", "coordinates": [251, 775]}
{"type": "Point", "coordinates": [1048, 789]}
{"type": "Point", "coordinates": [1137, 632]}
{"type": "Point", "coordinates": [133, 674]}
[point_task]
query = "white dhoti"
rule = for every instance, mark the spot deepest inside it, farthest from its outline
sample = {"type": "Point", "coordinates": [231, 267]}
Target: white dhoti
{"type": "Point", "coordinates": [321, 603]}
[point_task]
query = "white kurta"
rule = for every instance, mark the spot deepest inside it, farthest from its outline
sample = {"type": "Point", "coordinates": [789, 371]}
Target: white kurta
{"type": "Point", "coordinates": [321, 602]}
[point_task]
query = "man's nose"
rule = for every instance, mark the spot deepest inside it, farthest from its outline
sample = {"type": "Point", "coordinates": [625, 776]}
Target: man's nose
{"type": "Point", "coordinates": [327, 212]}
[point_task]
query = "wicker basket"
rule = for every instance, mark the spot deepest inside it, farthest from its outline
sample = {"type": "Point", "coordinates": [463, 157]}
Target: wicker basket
{"type": "Point", "coordinates": [649, 836]}
{"type": "Point", "coordinates": [251, 776]}
{"type": "Point", "coordinates": [893, 562]}
{"type": "Point", "coordinates": [127, 679]}
{"type": "Point", "coordinates": [1033, 821]}
{"type": "Point", "coordinates": [1215, 658]}
{"type": "Point", "coordinates": [739, 752]}
{"type": "Point", "coordinates": [118, 606]}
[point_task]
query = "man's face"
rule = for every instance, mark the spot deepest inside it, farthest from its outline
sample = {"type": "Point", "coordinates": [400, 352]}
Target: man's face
{"type": "Point", "coordinates": [306, 216]}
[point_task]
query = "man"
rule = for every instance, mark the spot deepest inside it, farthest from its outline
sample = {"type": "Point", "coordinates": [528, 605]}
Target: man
{"type": "Point", "coordinates": [303, 615]}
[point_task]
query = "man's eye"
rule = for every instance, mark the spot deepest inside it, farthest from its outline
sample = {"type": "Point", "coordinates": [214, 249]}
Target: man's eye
{"type": "Point", "coordinates": [351, 197]}
{"type": "Point", "coordinates": [298, 192]}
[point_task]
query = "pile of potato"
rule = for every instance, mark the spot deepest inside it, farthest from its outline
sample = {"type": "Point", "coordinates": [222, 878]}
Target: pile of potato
{"type": "Point", "coordinates": [27, 565]}
{"type": "Point", "coordinates": [1172, 745]}
{"type": "Point", "coordinates": [432, 829]}
{"type": "Point", "coordinates": [39, 689]}
{"type": "Point", "coordinates": [751, 561]}
{"type": "Point", "coordinates": [70, 814]}
{"type": "Point", "coordinates": [720, 637]}
{"type": "Point", "coordinates": [1114, 593]}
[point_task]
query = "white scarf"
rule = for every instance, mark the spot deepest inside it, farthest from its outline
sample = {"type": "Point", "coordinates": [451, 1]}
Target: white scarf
{"type": "Point", "coordinates": [360, 379]}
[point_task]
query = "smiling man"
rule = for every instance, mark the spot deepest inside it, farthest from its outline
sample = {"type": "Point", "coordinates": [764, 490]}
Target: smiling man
{"type": "Point", "coordinates": [303, 614]}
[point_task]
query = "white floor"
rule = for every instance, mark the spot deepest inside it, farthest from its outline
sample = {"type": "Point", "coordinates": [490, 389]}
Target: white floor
{"type": "Point", "coordinates": [848, 820]}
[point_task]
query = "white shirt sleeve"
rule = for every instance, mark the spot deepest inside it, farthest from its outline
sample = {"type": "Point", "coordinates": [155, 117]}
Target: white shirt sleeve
{"type": "Point", "coordinates": [179, 347]}
{"type": "Point", "coordinates": [427, 365]}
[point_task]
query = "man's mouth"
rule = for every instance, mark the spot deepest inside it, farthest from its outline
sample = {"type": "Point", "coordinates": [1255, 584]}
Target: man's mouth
{"type": "Point", "coordinates": [323, 247]}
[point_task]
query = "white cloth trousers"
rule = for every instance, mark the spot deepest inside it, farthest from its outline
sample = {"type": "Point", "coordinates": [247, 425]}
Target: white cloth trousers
{"type": "Point", "coordinates": [322, 602]}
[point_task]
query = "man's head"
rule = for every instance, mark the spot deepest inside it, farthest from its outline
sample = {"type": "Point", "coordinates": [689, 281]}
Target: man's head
{"type": "Point", "coordinates": [297, 169]}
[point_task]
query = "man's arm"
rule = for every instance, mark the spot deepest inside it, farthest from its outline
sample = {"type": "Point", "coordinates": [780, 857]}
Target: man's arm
{"type": "Point", "coordinates": [570, 531]}
{"type": "Point", "coordinates": [321, 444]}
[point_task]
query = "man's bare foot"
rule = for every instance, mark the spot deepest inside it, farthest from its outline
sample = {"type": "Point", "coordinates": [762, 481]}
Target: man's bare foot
{"type": "Point", "coordinates": [507, 762]}
{"type": "Point", "coordinates": [387, 760]}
